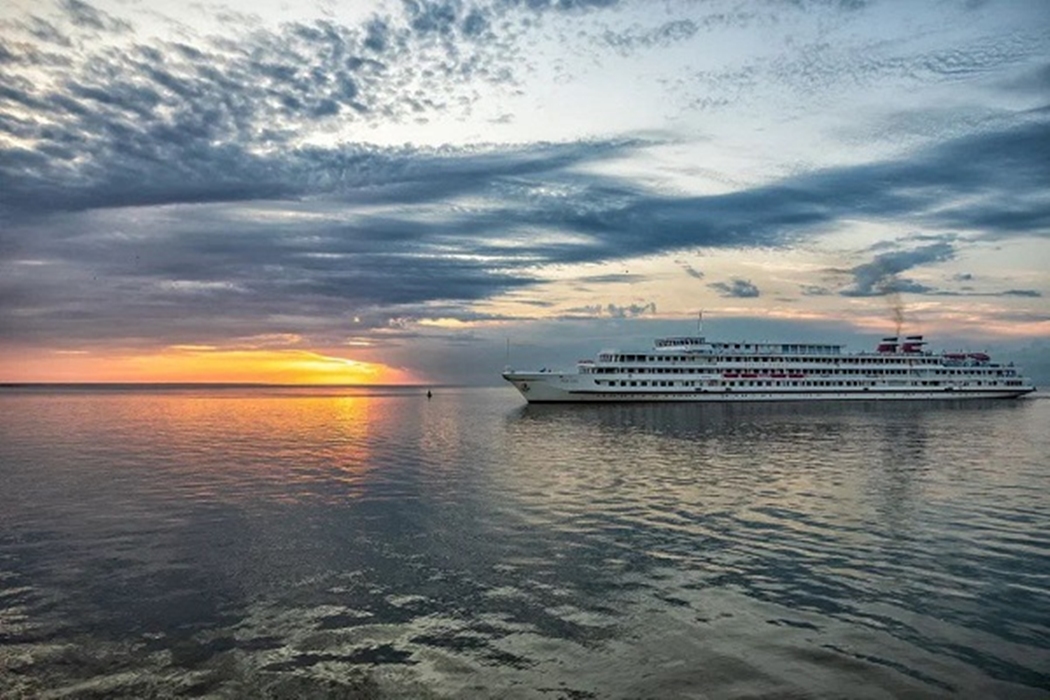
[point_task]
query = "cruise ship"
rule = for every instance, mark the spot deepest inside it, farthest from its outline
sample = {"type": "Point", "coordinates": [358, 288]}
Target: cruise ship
{"type": "Point", "coordinates": [695, 369]}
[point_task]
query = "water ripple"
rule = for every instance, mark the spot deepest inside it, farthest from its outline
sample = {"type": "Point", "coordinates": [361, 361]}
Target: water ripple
{"type": "Point", "coordinates": [318, 543]}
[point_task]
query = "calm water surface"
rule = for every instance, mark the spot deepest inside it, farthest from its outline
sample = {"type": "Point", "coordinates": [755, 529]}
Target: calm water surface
{"type": "Point", "coordinates": [350, 543]}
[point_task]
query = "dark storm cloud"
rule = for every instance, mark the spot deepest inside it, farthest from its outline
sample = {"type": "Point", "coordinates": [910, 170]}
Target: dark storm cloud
{"type": "Point", "coordinates": [737, 289]}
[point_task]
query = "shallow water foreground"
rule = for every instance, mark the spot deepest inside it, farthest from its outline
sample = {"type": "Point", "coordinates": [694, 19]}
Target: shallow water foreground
{"type": "Point", "coordinates": [289, 543]}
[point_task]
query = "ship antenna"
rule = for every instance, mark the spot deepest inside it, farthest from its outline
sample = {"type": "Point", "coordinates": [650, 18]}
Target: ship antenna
{"type": "Point", "coordinates": [700, 323]}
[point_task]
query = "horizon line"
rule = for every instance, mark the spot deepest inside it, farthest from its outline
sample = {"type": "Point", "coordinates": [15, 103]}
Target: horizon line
{"type": "Point", "coordinates": [231, 385]}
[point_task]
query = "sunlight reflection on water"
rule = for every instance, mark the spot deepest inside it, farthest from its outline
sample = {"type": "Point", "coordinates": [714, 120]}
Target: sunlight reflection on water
{"type": "Point", "coordinates": [259, 541]}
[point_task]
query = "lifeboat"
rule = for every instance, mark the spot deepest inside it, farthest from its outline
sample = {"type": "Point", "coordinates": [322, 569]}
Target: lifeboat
{"type": "Point", "coordinates": [980, 356]}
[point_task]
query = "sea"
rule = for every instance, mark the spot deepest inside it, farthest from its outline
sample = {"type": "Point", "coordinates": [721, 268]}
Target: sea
{"type": "Point", "coordinates": [341, 542]}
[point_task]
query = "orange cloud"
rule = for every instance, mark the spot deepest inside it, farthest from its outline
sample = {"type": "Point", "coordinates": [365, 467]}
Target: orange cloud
{"type": "Point", "coordinates": [199, 364]}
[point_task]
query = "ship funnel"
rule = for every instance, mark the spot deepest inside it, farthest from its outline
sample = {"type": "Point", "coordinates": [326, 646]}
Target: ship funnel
{"type": "Point", "coordinates": [913, 343]}
{"type": "Point", "coordinates": [887, 345]}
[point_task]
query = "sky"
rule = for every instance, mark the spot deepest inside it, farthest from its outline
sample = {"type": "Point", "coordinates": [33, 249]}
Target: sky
{"type": "Point", "coordinates": [427, 191]}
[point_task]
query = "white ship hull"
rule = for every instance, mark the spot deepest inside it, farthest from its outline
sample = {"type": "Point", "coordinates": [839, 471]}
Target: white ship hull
{"type": "Point", "coordinates": [695, 370]}
{"type": "Point", "coordinates": [548, 387]}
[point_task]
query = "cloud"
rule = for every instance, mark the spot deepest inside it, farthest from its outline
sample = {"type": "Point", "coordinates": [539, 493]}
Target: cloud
{"type": "Point", "coordinates": [880, 277]}
{"type": "Point", "coordinates": [666, 34]}
{"type": "Point", "coordinates": [86, 16]}
{"type": "Point", "coordinates": [614, 278]}
{"type": "Point", "coordinates": [208, 119]}
{"type": "Point", "coordinates": [690, 270]}
{"type": "Point", "coordinates": [737, 289]}
{"type": "Point", "coordinates": [543, 187]}
{"type": "Point", "coordinates": [613, 310]}
{"type": "Point", "coordinates": [970, 292]}
{"type": "Point", "coordinates": [207, 112]}
{"type": "Point", "coordinates": [300, 241]}
{"type": "Point", "coordinates": [1033, 81]}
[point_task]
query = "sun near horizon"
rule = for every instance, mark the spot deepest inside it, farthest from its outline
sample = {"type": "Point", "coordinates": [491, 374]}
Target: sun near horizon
{"type": "Point", "coordinates": [198, 365]}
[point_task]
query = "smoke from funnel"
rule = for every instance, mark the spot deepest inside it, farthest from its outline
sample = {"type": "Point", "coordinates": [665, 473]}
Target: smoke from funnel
{"type": "Point", "coordinates": [890, 287]}
{"type": "Point", "coordinates": [897, 306]}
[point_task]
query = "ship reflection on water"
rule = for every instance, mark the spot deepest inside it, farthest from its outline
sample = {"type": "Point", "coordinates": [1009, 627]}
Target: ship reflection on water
{"type": "Point", "coordinates": [372, 545]}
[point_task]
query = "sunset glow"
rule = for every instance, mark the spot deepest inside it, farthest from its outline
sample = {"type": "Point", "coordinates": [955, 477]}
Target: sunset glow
{"type": "Point", "coordinates": [202, 365]}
